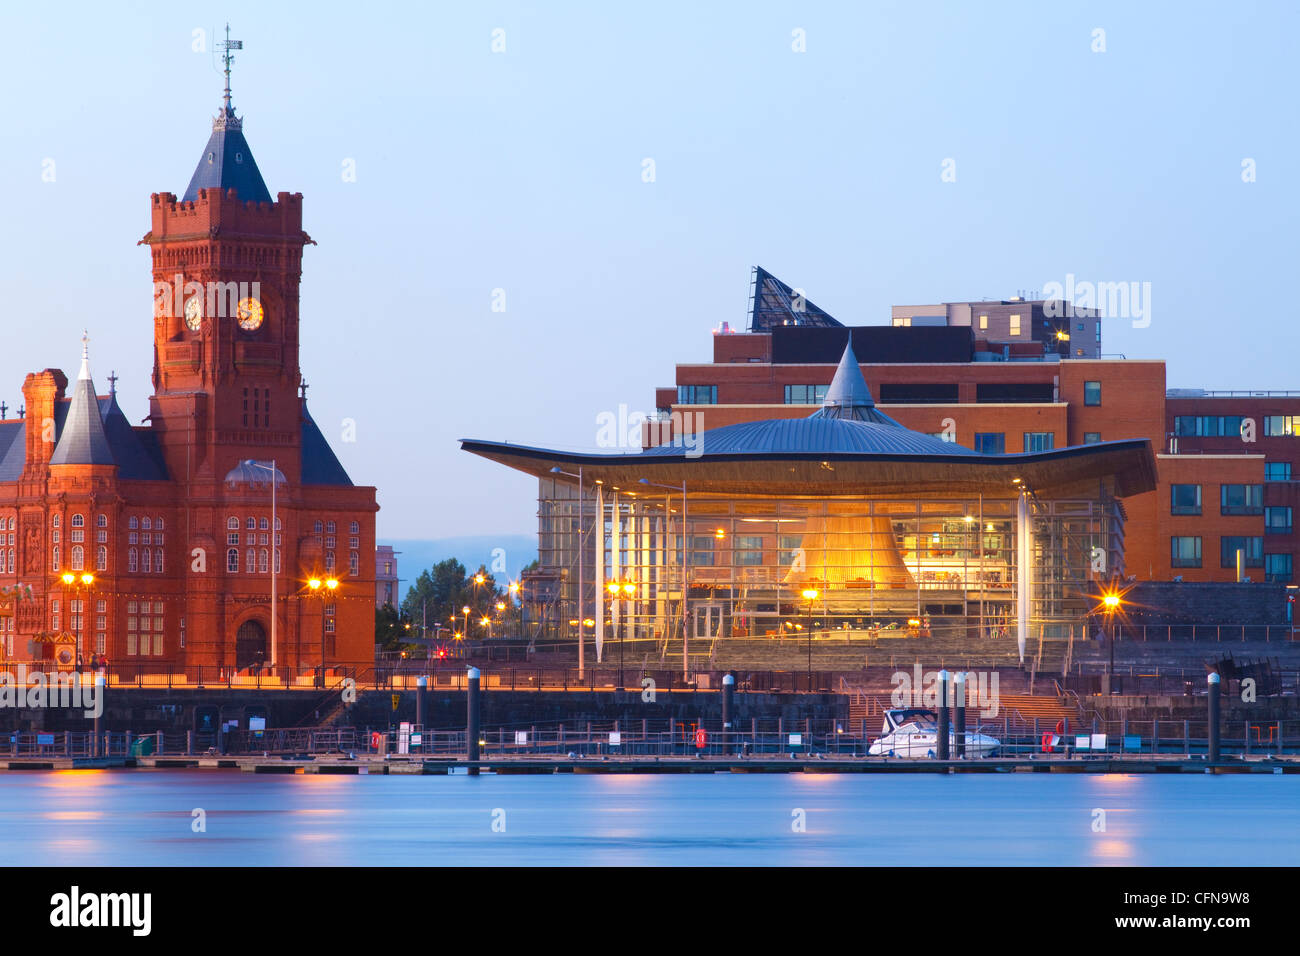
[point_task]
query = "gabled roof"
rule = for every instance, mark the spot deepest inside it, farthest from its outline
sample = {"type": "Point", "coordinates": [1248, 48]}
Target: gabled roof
{"type": "Point", "coordinates": [82, 440]}
{"type": "Point", "coordinates": [227, 162]}
{"type": "Point", "coordinates": [136, 452]}
{"type": "Point", "coordinates": [776, 304]}
{"type": "Point", "coordinates": [320, 466]}
{"type": "Point", "coordinates": [13, 450]}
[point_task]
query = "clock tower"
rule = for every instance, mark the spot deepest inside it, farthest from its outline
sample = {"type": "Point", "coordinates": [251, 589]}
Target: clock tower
{"type": "Point", "coordinates": [227, 262]}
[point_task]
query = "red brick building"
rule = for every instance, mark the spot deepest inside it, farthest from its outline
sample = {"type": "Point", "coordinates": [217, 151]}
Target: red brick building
{"type": "Point", "coordinates": [176, 534]}
{"type": "Point", "coordinates": [1229, 464]}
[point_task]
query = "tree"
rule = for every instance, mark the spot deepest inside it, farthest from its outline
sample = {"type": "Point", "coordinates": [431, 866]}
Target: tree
{"type": "Point", "coordinates": [438, 598]}
{"type": "Point", "coordinates": [390, 629]}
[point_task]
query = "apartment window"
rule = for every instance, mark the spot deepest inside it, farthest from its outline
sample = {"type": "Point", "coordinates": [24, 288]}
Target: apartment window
{"type": "Point", "coordinates": [805, 394]}
{"type": "Point", "coordinates": [388, 567]}
{"type": "Point", "coordinates": [1278, 425]}
{"type": "Point", "coordinates": [1208, 426]}
{"type": "Point", "coordinates": [902, 322]}
{"type": "Point", "coordinates": [1091, 438]}
{"type": "Point", "coordinates": [1278, 568]}
{"type": "Point", "coordinates": [991, 443]}
{"type": "Point", "coordinates": [1277, 471]}
{"type": "Point", "coordinates": [1252, 548]}
{"type": "Point", "coordinates": [697, 394]}
{"type": "Point", "coordinates": [1241, 499]}
{"type": "Point", "coordinates": [1184, 499]}
{"type": "Point", "coordinates": [984, 323]}
{"type": "Point", "coordinates": [1277, 520]}
{"type": "Point", "coordinates": [1015, 325]}
{"type": "Point", "coordinates": [1040, 441]}
{"type": "Point", "coordinates": [1185, 552]}
{"type": "Point", "coordinates": [1092, 393]}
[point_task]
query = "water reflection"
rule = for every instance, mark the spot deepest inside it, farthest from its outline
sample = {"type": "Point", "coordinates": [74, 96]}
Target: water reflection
{"type": "Point", "coordinates": [133, 818]}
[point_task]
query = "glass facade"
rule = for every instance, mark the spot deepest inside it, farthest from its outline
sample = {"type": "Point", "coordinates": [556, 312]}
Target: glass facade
{"type": "Point", "coordinates": [746, 561]}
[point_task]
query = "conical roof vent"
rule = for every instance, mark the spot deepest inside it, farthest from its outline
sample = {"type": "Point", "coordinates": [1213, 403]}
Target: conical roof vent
{"type": "Point", "coordinates": [83, 441]}
{"type": "Point", "coordinates": [848, 397]}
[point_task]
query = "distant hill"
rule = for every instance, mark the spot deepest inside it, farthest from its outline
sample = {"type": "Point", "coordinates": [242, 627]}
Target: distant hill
{"type": "Point", "coordinates": [416, 555]}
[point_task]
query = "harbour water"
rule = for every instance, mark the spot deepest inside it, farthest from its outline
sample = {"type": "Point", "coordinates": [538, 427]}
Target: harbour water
{"type": "Point", "coordinates": [135, 817]}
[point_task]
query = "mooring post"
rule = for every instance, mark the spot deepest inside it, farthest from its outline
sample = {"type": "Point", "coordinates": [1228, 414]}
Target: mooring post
{"type": "Point", "coordinates": [189, 743]}
{"type": "Point", "coordinates": [959, 722]}
{"type": "Point", "coordinates": [941, 737]}
{"type": "Point", "coordinates": [421, 690]}
{"type": "Point", "coordinates": [1213, 680]}
{"type": "Point", "coordinates": [1187, 740]}
{"type": "Point", "coordinates": [100, 693]}
{"type": "Point", "coordinates": [471, 721]}
{"type": "Point", "coordinates": [728, 692]}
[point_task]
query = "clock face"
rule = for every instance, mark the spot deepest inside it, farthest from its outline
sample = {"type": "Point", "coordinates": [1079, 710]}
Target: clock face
{"type": "Point", "coordinates": [250, 314]}
{"type": "Point", "coordinates": [194, 313]}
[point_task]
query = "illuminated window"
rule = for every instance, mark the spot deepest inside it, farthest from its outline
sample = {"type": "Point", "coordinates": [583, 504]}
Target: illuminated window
{"type": "Point", "coordinates": [1015, 325]}
{"type": "Point", "coordinates": [1185, 552]}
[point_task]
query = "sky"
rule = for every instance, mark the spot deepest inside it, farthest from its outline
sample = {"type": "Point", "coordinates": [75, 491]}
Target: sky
{"type": "Point", "coordinates": [869, 153]}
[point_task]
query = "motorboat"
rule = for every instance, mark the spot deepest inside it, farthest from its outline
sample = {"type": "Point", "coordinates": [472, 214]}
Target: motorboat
{"type": "Point", "coordinates": [913, 733]}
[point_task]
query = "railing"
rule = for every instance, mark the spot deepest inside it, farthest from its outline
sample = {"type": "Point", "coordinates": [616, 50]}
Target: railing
{"type": "Point", "coordinates": [1017, 738]}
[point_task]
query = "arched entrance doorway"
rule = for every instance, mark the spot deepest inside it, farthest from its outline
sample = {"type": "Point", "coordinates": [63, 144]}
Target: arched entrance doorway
{"type": "Point", "coordinates": [250, 645]}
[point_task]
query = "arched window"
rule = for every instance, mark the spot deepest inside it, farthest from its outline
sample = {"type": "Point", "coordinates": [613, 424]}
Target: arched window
{"type": "Point", "coordinates": [78, 558]}
{"type": "Point", "coordinates": [232, 561]}
{"type": "Point", "coordinates": [329, 560]}
{"type": "Point", "coordinates": [329, 528]}
{"type": "Point", "coordinates": [158, 524]}
{"type": "Point", "coordinates": [78, 521]}
{"type": "Point", "coordinates": [145, 524]}
{"type": "Point", "coordinates": [147, 565]}
{"type": "Point", "coordinates": [354, 563]}
{"type": "Point", "coordinates": [277, 561]}
{"type": "Point", "coordinates": [277, 524]}
{"type": "Point", "coordinates": [101, 558]}
{"type": "Point", "coordinates": [263, 524]}
{"type": "Point", "coordinates": [56, 521]}
{"type": "Point", "coordinates": [232, 523]}
{"type": "Point", "coordinates": [252, 523]}
{"type": "Point", "coordinates": [262, 557]}
{"type": "Point", "coordinates": [250, 564]}
{"type": "Point", "coordinates": [158, 561]}
{"type": "Point", "coordinates": [133, 523]}
{"type": "Point", "coordinates": [356, 527]}
{"type": "Point", "coordinates": [316, 528]}
{"type": "Point", "coordinates": [132, 561]}
{"type": "Point", "coordinates": [101, 521]}
{"type": "Point", "coordinates": [54, 559]}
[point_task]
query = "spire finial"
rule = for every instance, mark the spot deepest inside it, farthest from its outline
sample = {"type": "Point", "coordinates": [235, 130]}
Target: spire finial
{"type": "Point", "coordinates": [227, 111]}
{"type": "Point", "coordinates": [85, 355]}
{"type": "Point", "coordinates": [112, 383]}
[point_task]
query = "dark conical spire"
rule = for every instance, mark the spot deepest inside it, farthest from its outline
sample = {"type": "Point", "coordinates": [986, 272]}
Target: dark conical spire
{"type": "Point", "coordinates": [848, 395]}
{"type": "Point", "coordinates": [83, 441]}
{"type": "Point", "coordinates": [227, 161]}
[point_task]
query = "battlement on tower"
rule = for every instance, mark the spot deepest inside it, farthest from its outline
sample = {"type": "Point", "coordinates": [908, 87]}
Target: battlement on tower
{"type": "Point", "coordinates": [218, 210]}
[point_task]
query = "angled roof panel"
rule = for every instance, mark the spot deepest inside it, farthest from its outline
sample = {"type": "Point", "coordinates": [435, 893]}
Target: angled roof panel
{"type": "Point", "coordinates": [776, 304]}
{"type": "Point", "coordinates": [320, 466]}
{"type": "Point", "coordinates": [227, 163]}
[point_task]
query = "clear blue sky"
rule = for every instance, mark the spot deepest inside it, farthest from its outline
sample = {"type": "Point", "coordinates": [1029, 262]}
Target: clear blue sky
{"type": "Point", "coordinates": [523, 171]}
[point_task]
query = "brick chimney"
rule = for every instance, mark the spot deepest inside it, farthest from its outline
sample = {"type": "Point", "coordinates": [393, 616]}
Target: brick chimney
{"type": "Point", "coordinates": [41, 390]}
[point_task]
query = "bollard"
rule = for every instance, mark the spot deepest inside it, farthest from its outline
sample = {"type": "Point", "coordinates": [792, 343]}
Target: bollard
{"type": "Point", "coordinates": [471, 729]}
{"type": "Point", "coordinates": [959, 719]}
{"type": "Point", "coordinates": [99, 710]}
{"type": "Point", "coordinates": [421, 689]}
{"type": "Point", "coordinates": [941, 740]}
{"type": "Point", "coordinates": [728, 692]}
{"type": "Point", "coordinates": [1213, 755]}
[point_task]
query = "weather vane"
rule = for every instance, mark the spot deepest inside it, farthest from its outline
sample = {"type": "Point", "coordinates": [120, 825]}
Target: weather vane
{"type": "Point", "coordinates": [225, 47]}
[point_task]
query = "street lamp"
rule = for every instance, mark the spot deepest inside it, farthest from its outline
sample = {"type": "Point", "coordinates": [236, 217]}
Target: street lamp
{"type": "Point", "coordinates": [323, 590]}
{"type": "Point", "coordinates": [76, 582]}
{"type": "Point", "coordinates": [1110, 601]}
{"type": "Point", "coordinates": [465, 611]}
{"type": "Point", "coordinates": [810, 595]}
{"type": "Point", "coordinates": [686, 568]}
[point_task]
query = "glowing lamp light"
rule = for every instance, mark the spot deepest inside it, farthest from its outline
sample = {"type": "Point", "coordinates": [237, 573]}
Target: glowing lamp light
{"type": "Point", "coordinates": [331, 584]}
{"type": "Point", "coordinates": [629, 588]}
{"type": "Point", "coordinates": [314, 584]}
{"type": "Point", "coordinates": [810, 594]}
{"type": "Point", "coordinates": [88, 579]}
{"type": "Point", "coordinates": [1111, 601]}
{"type": "Point", "coordinates": [69, 578]}
{"type": "Point", "coordinates": [612, 587]}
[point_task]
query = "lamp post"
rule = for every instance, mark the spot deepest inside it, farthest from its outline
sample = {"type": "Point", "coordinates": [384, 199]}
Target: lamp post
{"type": "Point", "coordinates": [686, 575]}
{"type": "Point", "coordinates": [274, 550]}
{"type": "Point", "coordinates": [76, 583]}
{"type": "Point", "coordinates": [582, 583]}
{"type": "Point", "coordinates": [323, 590]}
{"type": "Point", "coordinates": [1110, 601]}
{"type": "Point", "coordinates": [465, 610]}
{"type": "Point", "coordinates": [810, 595]}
